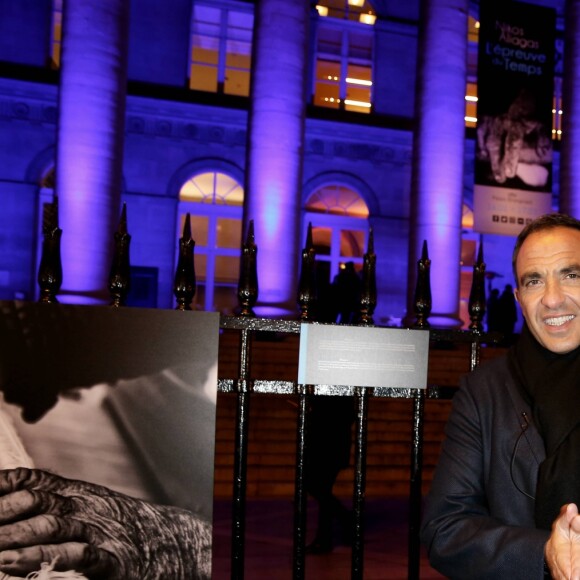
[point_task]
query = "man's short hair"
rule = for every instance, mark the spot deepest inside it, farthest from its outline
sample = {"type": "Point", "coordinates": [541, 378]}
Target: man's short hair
{"type": "Point", "coordinates": [545, 222]}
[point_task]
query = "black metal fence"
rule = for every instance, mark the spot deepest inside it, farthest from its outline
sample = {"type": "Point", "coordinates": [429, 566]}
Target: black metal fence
{"type": "Point", "coordinates": [245, 387]}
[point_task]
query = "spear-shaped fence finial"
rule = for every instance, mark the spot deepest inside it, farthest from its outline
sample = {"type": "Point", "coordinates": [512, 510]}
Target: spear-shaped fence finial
{"type": "Point", "coordinates": [184, 281]}
{"type": "Point", "coordinates": [368, 296]}
{"type": "Point", "coordinates": [307, 283]}
{"type": "Point", "coordinates": [120, 273]}
{"type": "Point", "coordinates": [248, 282]}
{"type": "Point", "coordinates": [50, 269]}
{"type": "Point", "coordinates": [477, 294]}
{"type": "Point", "coordinates": [423, 302]}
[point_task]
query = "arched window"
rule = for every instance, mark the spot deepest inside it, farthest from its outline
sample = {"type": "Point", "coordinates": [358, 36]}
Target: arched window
{"type": "Point", "coordinates": [338, 215]}
{"type": "Point", "coordinates": [214, 201]}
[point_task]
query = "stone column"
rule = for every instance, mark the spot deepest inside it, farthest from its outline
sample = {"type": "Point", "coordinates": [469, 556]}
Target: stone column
{"type": "Point", "coordinates": [438, 155]}
{"type": "Point", "coordinates": [90, 142]}
{"type": "Point", "coordinates": [275, 149]}
{"type": "Point", "coordinates": [570, 144]}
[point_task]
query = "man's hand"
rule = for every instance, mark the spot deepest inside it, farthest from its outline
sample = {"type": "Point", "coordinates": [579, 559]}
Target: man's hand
{"type": "Point", "coordinates": [96, 531]}
{"type": "Point", "coordinates": [562, 551]}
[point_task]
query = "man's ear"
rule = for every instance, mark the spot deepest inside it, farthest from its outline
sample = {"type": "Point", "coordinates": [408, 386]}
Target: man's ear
{"type": "Point", "coordinates": [516, 294]}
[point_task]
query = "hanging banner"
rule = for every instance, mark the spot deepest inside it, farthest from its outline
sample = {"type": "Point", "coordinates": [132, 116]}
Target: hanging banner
{"type": "Point", "coordinates": [513, 157]}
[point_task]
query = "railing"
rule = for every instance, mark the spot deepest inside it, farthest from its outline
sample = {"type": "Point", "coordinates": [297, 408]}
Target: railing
{"type": "Point", "coordinates": [244, 386]}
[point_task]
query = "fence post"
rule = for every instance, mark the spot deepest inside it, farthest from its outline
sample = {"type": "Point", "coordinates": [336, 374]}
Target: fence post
{"type": "Point", "coordinates": [50, 269]}
{"type": "Point", "coordinates": [120, 273]}
{"type": "Point", "coordinates": [307, 284]}
{"type": "Point", "coordinates": [368, 297]}
{"type": "Point", "coordinates": [423, 290]}
{"type": "Point", "coordinates": [248, 283]}
{"type": "Point", "coordinates": [416, 485]}
{"type": "Point", "coordinates": [360, 472]}
{"type": "Point", "coordinates": [184, 281]}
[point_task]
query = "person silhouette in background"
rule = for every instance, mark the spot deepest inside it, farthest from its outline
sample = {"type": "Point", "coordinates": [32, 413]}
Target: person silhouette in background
{"type": "Point", "coordinates": [346, 290]}
{"type": "Point", "coordinates": [329, 437]}
{"type": "Point", "coordinates": [493, 322]}
{"type": "Point", "coordinates": [329, 431]}
{"type": "Point", "coordinates": [507, 314]}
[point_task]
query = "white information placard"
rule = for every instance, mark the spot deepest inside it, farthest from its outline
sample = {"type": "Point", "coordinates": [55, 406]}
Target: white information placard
{"type": "Point", "coordinates": [363, 356]}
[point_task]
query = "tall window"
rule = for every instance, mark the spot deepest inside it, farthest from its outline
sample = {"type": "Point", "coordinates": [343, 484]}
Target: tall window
{"type": "Point", "coordinates": [343, 72]}
{"type": "Point", "coordinates": [357, 10]}
{"type": "Point", "coordinates": [56, 34]}
{"type": "Point", "coordinates": [338, 216]}
{"type": "Point", "coordinates": [221, 48]}
{"type": "Point", "coordinates": [214, 201]}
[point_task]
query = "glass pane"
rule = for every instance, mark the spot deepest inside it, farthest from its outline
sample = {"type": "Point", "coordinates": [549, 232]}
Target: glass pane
{"type": "Point", "coordinates": [329, 41]}
{"type": "Point", "coordinates": [212, 188]}
{"type": "Point", "coordinates": [473, 30]}
{"type": "Point", "coordinates": [198, 302]}
{"type": "Point", "coordinates": [360, 46]}
{"type": "Point", "coordinates": [227, 269]}
{"type": "Point", "coordinates": [358, 75]}
{"type": "Point", "coordinates": [357, 106]}
{"type": "Point", "coordinates": [328, 71]}
{"type": "Point", "coordinates": [321, 238]}
{"type": "Point", "coordinates": [338, 199]}
{"type": "Point", "coordinates": [200, 263]}
{"type": "Point", "coordinates": [359, 94]}
{"type": "Point", "coordinates": [225, 299]}
{"type": "Point", "coordinates": [471, 112]}
{"type": "Point", "coordinates": [203, 78]}
{"type": "Point", "coordinates": [237, 82]}
{"type": "Point", "coordinates": [239, 55]}
{"type": "Point", "coordinates": [468, 249]}
{"type": "Point", "coordinates": [229, 233]}
{"type": "Point", "coordinates": [199, 188]}
{"type": "Point", "coordinates": [57, 27]}
{"type": "Point", "coordinates": [205, 49]}
{"type": "Point", "coordinates": [56, 51]}
{"type": "Point", "coordinates": [205, 15]}
{"type": "Point", "coordinates": [228, 191]}
{"type": "Point", "coordinates": [239, 40]}
{"type": "Point", "coordinates": [199, 227]}
{"type": "Point", "coordinates": [471, 105]}
{"type": "Point", "coordinates": [327, 91]}
{"type": "Point", "coordinates": [327, 96]}
{"type": "Point", "coordinates": [241, 22]}
{"type": "Point", "coordinates": [352, 243]}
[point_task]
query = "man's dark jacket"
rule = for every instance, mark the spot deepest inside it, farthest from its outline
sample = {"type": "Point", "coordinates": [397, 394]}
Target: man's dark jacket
{"type": "Point", "coordinates": [479, 518]}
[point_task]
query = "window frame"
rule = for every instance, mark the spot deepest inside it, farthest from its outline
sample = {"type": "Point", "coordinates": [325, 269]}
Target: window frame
{"type": "Point", "coordinates": [213, 212]}
{"type": "Point", "coordinates": [346, 28]}
{"type": "Point", "coordinates": [225, 7]}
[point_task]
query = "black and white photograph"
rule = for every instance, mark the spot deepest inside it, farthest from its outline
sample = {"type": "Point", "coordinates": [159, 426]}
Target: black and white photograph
{"type": "Point", "coordinates": [107, 430]}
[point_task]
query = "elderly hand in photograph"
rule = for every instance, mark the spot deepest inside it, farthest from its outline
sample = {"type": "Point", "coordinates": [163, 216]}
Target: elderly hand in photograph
{"type": "Point", "coordinates": [96, 531]}
{"type": "Point", "coordinates": [516, 143]}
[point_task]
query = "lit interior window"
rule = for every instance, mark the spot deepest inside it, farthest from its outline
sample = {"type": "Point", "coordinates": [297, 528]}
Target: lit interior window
{"type": "Point", "coordinates": [56, 34]}
{"type": "Point", "coordinates": [214, 201]}
{"type": "Point", "coordinates": [344, 68]}
{"type": "Point", "coordinates": [221, 50]}
{"type": "Point", "coordinates": [339, 200]}
{"type": "Point", "coordinates": [358, 10]}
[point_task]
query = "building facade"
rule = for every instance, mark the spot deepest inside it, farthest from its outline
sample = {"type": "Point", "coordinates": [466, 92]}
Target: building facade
{"type": "Point", "coordinates": [281, 113]}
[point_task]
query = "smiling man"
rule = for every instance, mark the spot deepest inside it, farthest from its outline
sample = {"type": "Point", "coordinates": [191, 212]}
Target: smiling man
{"type": "Point", "coordinates": [503, 502]}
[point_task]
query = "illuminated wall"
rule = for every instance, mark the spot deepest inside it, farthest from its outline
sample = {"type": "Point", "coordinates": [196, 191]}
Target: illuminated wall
{"type": "Point", "coordinates": [275, 149]}
{"type": "Point", "coordinates": [90, 142]}
{"type": "Point", "coordinates": [438, 154]}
